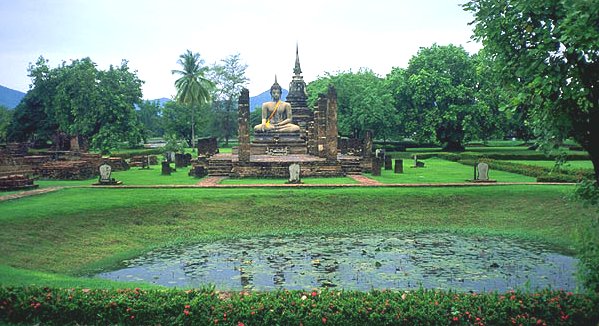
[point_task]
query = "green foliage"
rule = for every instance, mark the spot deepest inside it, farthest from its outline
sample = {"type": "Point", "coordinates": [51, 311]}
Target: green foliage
{"type": "Point", "coordinates": [193, 88]}
{"type": "Point", "coordinates": [150, 117]}
{"type": "Point", "coordinates": [5, 118]}
{"type": "Point", "coordinates": [229, 77]}
{"type": "Point", "coordinates": [80, 100]}
{"type": "Point", "coordinates": [435, 94]}
{"type": "Point", "coordinates": [177, 122]}
{"type": "Point", "coordinates": [206, 306]}
{"type": "Point", "coordinates": [363, 102]}
{"type": "Point", "coordinates": [174, 144]}
{"type": "Point", "coordinates": [549, 56]}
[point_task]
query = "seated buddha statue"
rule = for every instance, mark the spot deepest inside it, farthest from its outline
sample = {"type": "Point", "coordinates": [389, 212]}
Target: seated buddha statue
{"type": "Point", "coordinates": [276, 114]}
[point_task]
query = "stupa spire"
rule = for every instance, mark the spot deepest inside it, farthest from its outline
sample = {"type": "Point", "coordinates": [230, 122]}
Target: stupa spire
{"type": "Point", "coordinates": [297, 70]}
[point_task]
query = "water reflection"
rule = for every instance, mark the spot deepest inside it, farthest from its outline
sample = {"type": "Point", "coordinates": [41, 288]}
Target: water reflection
{"type": "Point", "coordinates": [356, 261]}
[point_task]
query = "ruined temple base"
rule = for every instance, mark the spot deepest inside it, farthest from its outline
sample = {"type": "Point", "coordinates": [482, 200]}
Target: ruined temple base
{"type": "Point", "coordinates": [278, 166]}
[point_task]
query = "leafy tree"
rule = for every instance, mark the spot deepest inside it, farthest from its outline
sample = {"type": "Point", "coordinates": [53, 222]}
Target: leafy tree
{"type": "Point", "coordinates": [150, 117]}
{"type": "Point", "coordinates": [436, 95]}
{"type": "Point", "coordinates": [488, 119]}
{"type": "Point", "coordinates": [549, 51]}
{"type": "Point", "coordinates": [362, 100]}
{"type": "Point", "coordinates": [5, 118]}
{"type": "Point", "coordinates": [193, 88]}
{"type": "Point", "coordinates": [80, 100]}
{"type": "Point", "coordinates": [30, 121]}
{"type": "Point", "coordinates": [97, 105]}
{"type": "Point", "coordinates": [177, 122]}
{"type": "Point", "coordinates": [229, 77]}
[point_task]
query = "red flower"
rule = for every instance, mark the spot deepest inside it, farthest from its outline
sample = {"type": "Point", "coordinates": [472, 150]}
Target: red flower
{"type": "Point", "coordinates": [455, 318]}
{"type": "Point", "coordinates": [186, 312]}
{"type": "Point", "coordinates": [187, 306]}
{"type": "Point", "coordinates": [314, 293]}
{"type": "Point", "coordinates": [240, 324]}
{"type": "Point", "coordinates": [324, 320]}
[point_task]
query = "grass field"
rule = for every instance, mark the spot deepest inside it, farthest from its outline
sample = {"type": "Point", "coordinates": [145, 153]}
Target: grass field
{"type": "Point", "coordinates": [572, 165]}
{"type": "Point", "coordinates": [78, 230]}
{"type": "Point", "coordinates": [439, 171]}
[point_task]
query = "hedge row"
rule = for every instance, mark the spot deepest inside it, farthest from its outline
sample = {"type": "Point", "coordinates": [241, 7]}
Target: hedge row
{"type": "Point", "coordinates": [543, 174]}
{"type": "Point", "coordinates": [208, 307]}
{"type": "Point", "coordinates": [537, 156]}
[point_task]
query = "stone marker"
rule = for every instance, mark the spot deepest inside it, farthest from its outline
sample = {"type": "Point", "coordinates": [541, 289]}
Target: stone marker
{"type": "Point", "coordinates": [294, 173]}
{"type": "Point", "coordinates": [179, 160]}
{"type": "Point", "coordinates": [388, 162]}
{"type": "Point", "coordinates": [398, 166]}
{"type": "Point", "coordinates": [105, 172]}
{"type": "Point", "coordinates": [483, 172]}
{"type": "Point", "coordinates": [376, 166]}
{"type": "Point", "coordinates": [166, 168]}
{"type": "Point", "coordinates": [105, 176]}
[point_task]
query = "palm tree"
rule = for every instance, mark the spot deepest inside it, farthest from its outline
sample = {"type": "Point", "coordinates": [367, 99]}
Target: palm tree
{"type": "Point", "coordinates": [192, 87]}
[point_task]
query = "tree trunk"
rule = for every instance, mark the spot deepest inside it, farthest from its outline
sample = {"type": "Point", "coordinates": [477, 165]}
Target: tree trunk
{"type": "Point", "coordinates": [193, 136]}
{"type": "Point", "coordinates": [594, 154]}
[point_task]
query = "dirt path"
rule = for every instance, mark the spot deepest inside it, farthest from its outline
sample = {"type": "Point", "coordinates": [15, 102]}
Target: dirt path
{"type": "Point", "coordinates": [28, 193]}
{"type": "Point", "coordinates": [363, 180]}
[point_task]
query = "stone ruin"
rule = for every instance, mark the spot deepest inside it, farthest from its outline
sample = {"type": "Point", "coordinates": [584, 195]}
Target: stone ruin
{"type": "Point", "coordinates": [52, 164]}
{"type": "Point", "coordinates": [316, 147]}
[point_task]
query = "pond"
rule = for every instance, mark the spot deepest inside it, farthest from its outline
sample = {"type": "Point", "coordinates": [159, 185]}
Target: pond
{"type": "Point", "coordinates": [356, 262]}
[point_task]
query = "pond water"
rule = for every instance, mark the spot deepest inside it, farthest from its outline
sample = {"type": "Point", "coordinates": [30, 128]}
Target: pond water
{"type": "Point", "coordinates": [356, 261]}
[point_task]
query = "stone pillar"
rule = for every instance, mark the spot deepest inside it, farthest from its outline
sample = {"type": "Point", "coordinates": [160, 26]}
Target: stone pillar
{"type": "Point", "coordinates": [367, 152]}
{"type": "Point", "coordinates": [331, 123]}
{"type": "Point", "coordinates": [321, 125]}
{"type": "Point", "coordinates": [388, 162]}
{"type": "Point", "coordinates": [166, 168]}
{"type": "Point", "coordinates": [398, 166]}
{"type": "Point", "coordinates": [310, 133]}
{"type": "Point", "coordinates": [376, 166]}
{"type": "Point", "coordinates": [244, 125]}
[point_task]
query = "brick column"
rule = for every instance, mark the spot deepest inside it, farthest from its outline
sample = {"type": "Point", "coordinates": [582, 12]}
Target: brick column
{"type": "Point", "coordinates": [244, 126]}
{"type": "Point", "coordinates": [321, 125]}
{"type": "Point", "coordinates": [331, 122]}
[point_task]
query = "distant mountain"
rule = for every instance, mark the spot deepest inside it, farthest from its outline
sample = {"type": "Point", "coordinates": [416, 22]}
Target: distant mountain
{"type": "Point", "coordinates": [256, 101]}
{"type": "Point", "coordinates": [9, 97]}
{"type": "Point", "coordinates": [162, 101]}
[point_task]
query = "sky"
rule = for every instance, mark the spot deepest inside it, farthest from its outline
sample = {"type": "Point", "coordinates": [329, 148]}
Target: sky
{"type": "Point", "coordinates": [332, 36]}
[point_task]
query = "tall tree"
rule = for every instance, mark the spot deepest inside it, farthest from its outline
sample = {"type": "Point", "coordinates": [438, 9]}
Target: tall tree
{"type": "Point", "coordinates": [437, 94]}
{"type": "Point", "coordinates": [229, 77]}
{"type": "Point", "coordinates": [5, 118]}
{"type": "Point", "coordinates": [150, 116]}
{"type": "Point", "coordinates": [193, 88]}
{"type": "Point", "coordinates": [363, 102]}
{"type": "Point", "coordinates": [82, 101]}
{"type": "Point", "coordinates": [549, 51]}
{"type": "Point", "coordinates": [177, 122]}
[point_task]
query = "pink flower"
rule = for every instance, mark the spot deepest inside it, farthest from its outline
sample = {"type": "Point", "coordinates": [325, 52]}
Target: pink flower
{"type": "Point", "coordinates": [187, 306]}
{"type": "Point", "coordinates": [186, 312]}
{"type": "Point", "coordinates": [324, 320]}
{"type": "Point", "coordinates": [240, 324]}
{"type": "Point", "coordinates": [314, 293]}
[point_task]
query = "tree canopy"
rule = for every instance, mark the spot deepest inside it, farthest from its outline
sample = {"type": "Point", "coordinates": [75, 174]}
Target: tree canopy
{"type": "Point", "coordinates": [193, 88]}
{"type": "Point", "coordinates": [548, 52]}
{"type": "Point", "coordinates": [80, 100]}
{"type": "Point", "coordinates": [435, 94]}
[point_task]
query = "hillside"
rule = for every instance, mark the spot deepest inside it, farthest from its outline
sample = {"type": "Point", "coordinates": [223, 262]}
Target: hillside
{"type": "Point", "coordinates": [9, 97]}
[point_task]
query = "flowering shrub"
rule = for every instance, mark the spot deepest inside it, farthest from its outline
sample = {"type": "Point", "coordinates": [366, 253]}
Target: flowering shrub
{"type": "Point", "coordinates": [33, 305]}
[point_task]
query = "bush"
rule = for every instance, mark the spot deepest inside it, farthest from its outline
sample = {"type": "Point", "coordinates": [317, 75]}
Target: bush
{"type": "Point", "coordinates": [202, 307]}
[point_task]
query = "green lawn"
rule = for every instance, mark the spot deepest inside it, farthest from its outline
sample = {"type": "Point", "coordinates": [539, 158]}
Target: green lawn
{"type": "Point", "coordinates": [134, 176]}
{"type": "Point", "coordinates": [77, 230]}
{"type": "Point", "coordinates": [573, 165]}
{"type": "Point", "coordinates": [439, 171]}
